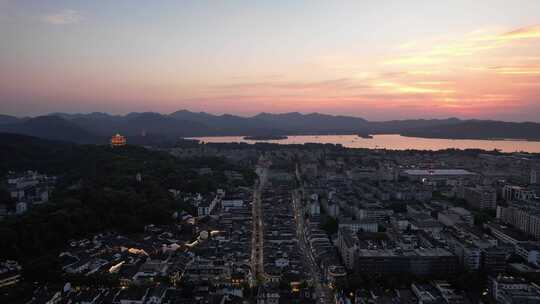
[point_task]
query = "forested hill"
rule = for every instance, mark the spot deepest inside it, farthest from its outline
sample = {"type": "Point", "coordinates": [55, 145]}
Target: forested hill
{"type": "Point", "coordinates": [480, 130]}
{"type": "Point", "coordinates": [153, 128]}
{"type": "Point", "coordinates": [97, 190]}
{"type": "Point", "coordinates": [21, 152]}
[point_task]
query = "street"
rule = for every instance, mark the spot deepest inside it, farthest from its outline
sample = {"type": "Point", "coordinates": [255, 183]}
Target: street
{"type": "Point", "coordinates": [323, 292]}
{"type": "Point", "coordinates": [258, 233]}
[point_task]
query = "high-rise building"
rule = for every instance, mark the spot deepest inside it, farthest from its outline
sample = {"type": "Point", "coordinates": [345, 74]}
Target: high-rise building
{"type": "Point", "coordinates": [523, 217]}
{"type": "Point", "coordinates": [481, 197]}
{"type": "Point", "coordinates": [517, 193]}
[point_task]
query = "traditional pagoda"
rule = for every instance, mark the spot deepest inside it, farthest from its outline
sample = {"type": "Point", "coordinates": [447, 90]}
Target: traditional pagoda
{"type": "Point", "coordinates": [118, 141]}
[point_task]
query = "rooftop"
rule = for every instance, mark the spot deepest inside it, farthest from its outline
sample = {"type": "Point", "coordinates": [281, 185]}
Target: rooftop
{"type": "Point", "coordinates": [436, 172]}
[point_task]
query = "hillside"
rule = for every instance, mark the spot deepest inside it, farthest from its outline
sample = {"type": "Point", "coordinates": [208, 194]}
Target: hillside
{"type": "Point", "coordinates": [151, 128]}
{"type": "Point", "coordinates": [479, 130]}
{"type": "Point", "coordinates": [7, 119]}
{"type": "Point", "coordinates": [314, 123]}
{"type": "Point", "coordinates": [51, 127]}
{"type": "Point", "coordinates": [97, 190]}
{"type": "Point", "coordinates": [21, 152]}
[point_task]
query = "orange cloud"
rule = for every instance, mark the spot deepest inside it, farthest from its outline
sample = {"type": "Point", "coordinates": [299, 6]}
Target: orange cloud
{"type": "Point", "coordinates": [522, 33]}
{"type": "Point", "coordinates": [524, 70]}
{"type": "Point", "coordinates": [411, 89]}
{"type": "Point", "coordinates": [432, 82]}
{"type": "Point", "coordinates": [430, 53]}
{"type": "Point", "coordinates": [414, 60]}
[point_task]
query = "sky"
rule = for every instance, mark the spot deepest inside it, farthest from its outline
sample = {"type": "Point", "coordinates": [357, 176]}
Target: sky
{"type": "Point", "coordinates": [379, 59]}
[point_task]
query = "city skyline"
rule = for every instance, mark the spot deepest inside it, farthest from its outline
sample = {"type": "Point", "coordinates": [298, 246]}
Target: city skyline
{"type": "Point", "coordinates": [379, 61]}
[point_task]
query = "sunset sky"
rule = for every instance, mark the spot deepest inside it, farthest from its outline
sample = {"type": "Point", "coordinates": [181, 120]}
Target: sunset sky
{"type": "Point", "coordinates": [375, 59]}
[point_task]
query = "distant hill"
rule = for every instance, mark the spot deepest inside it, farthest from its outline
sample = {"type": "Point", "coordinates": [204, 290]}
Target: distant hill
{"type": "Point", "coordinates": [136, 124]}
{"type": "Point", "coordinates": [51, 127]}
{"type": "Point", "coordinates": [400, 126]}
{"type": "Point", "coordinates": [314, 123]}
{"type": "Point", "coordinates": [150, 127]}
{"type": "Point", "coordinates": [22, 152]}
{"type": "Point", "coordinates": [478, 129]}
{"type": "Point", "coordinates": [164, 125]}
{"type": "Point", "coordinates": [227, 124]}
{"type": "Point", "coordinates": [6, 119]}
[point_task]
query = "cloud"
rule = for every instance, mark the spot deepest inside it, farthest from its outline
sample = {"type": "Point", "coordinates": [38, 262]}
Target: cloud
{"type": "Point", "coordinates": [421, 72]}
{"type": "Point", "coordinates": [407, 89]}
{"type": "Point", "coordinates": [430, 83]}
{"type": "Point", "coordinates": [414, 60]}
{"type": "Point", "coordinates": [63, 17]}
{"type": "Point", "coordinates": [332, 84]}
{"type": "Point", "coordinates": [407, 45]}
{"type": "Point", "coordinates": [521, 33]}
{"type": "Point", "coordinates": [517, 70]}
{"type": "Point", "coordinates": [472, 44]}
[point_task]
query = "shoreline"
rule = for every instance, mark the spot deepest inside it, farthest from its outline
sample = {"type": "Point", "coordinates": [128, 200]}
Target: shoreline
{"type": "Point", "coordinates": [371, 136]}
{"type": "Point", "coordinates": [390, 142]}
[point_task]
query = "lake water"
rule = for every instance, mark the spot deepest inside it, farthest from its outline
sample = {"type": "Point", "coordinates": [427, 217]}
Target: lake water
{"type": "Point", "coordinates": [393, 142]}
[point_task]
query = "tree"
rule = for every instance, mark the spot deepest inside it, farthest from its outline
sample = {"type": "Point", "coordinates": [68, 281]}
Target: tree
{"type": "Point", "coordinates": [97, 190]}
{"type": "Point", "coordinates": [45, 269]}
{"type": "Point", "coordinates": [330, 225]}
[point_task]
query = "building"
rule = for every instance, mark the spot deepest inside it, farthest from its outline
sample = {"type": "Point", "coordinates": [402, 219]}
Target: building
{"type": "Point", "coordinates": [20, 208]}
{"type": "Point", "coordinates": [529, 251]}
{"type": "Point", "coordinates": [436, 174]}
{"type": "Point", "coordinates": [531, 295]}
{"type": "Point", "coordinates": [505, 234]}
{"type": "Point", "coordinates": [360, 173]}
{"type": "Point", "coordinates": [523, 217]}
{"type": "Point", "coordinates": [10, 273]}
{"type": "Point", "coordinates": [494, 260]}
{"type": "Point", "coordinates": [267, 295]}
{"type": "Point", "coordinates": [378, 254]}
{"type": "Point", "coordinates": [517, 193]}
{"type": "Point", "coordinates": [314, 208]}
{"type": "Point", "coordinates": [426, 293]}
{"type": "Point", "coordinates": [330, 207]}
{"type": "Point", "coordinates": [419, 262]}
{"type": "Point", "coordinates": [207, 205]}
{"type": "Point", "coordinates": [508, 290]}
{"type": "Point", "coordinates": [29, 188]}
{"type": "Point", "coordinates": [360, 226]}
{"type": "Point", "coordinates": [481, 197]}
{"type": "Point", "coordinates": [231, 202]}
{"type": "Point", "coordinates": [468, 254]}
{"type": "Point", "coordinates": [118, 141]}
{"type": "Point", "coordinates": [449, 294]}
{"type": "Point", "coordinates": [131, 296]}
{"type": "Point", "coordinates": [454, 216]}
{"type": "Point", "coordinates": [347, 247]}
{"type": "Point", "coordinates": [371, 212]}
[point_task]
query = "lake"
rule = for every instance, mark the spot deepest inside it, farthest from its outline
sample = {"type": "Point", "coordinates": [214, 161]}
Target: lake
{"type": "Point", "coordinates": [392, 141]}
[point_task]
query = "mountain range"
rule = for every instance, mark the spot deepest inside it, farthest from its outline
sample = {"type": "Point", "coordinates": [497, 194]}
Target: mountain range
{"type": "Point", "coordinates": [98, 127]}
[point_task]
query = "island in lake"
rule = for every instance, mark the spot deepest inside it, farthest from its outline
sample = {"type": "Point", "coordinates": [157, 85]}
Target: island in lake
{"type": "Point", "coordinates": [365, 135]}
{"type": "Point", "coordinates": [265, 137]}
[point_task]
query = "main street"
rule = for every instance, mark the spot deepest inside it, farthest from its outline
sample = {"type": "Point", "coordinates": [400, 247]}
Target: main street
{"type": "Point", "coordinates": [257, 256]}
{"type": "Point", "coordinates": [324, 293]}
